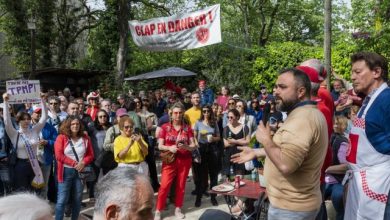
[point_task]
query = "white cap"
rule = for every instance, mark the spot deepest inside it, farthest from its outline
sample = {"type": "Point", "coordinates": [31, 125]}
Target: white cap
{"type": "Point", "coordinates": [235, 96]}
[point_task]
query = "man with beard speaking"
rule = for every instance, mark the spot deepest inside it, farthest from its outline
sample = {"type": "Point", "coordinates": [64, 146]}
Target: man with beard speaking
{"type": "Point", "coordinates": [295, 153]}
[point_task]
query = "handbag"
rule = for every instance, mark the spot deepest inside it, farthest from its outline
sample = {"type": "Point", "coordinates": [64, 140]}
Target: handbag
{"type": "Point", "coordinates": [167, 156]}
{"type": "Point", "coordinates": [88, 173]}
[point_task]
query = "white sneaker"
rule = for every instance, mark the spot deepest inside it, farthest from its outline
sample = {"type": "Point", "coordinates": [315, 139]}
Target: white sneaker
{"type": "Point", "coordinates": [157, 215]}
{"type": "Point", "coordinates": [179, 214]}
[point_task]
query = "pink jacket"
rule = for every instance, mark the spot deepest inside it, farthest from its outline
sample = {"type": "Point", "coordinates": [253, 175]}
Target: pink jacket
{"type": "Point", "coordinates": [59, 148]}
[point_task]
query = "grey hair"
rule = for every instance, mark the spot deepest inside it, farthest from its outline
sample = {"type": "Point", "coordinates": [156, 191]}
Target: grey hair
{"type": "Point", "coordinates": [118, 187]}
{"type": "Point", "coordinates": [23, 206]}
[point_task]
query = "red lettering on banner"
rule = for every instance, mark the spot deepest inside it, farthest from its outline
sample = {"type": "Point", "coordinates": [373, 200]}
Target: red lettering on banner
{"type": "Point", "coordinates": [138, 30]}
{"type": "Point", "coordinates": [191, 22]}
{"type": "Point", "coordinates": [147, 31]}
{"type": "Point", "coordinates": [152, 28]}
{"type": "Point", "coordinates": [210, 17]}
{"type": "Point", "coordinates": [184, 24]}
{"type": "Point", "coordinates": [161, 28]}
{"type": "Point", "coordinates": [171, 26]}
{"type": "Point", "coordinates": [177, 26]}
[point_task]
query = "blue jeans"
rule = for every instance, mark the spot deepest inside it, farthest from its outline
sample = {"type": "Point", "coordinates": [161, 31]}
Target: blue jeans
{"type": "Point", "coordinates": [72, 183]}
{"type": "Point", "coordinates": [336, 193]}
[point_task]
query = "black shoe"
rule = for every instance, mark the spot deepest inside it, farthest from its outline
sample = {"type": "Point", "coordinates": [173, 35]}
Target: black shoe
{"type": "Point", "coordinates": [214, 202]}
{"type": "Point", "coordinates": [198, 201]}
{"type": "Point", "coordinates": [206, 194]}
{"type": "Point", "coordinates": [83, 204]}
{"type": "Point", "coordinates": [68, 211]}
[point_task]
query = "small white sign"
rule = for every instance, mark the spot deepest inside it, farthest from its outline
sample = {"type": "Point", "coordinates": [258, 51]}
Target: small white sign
{"type": "Point", "coordinates": [23, 91]}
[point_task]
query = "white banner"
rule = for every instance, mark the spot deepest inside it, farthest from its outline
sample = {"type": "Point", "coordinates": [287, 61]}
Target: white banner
{"type": "Point", "coordinates": [23, 91]}
{"type": "Point", "coordinates": [178, 32]}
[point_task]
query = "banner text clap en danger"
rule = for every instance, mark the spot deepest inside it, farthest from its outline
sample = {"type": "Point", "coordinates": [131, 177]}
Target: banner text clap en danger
{"type": "Point", "coordinates": [23, 91]}
{"type": "Point", "coordinates": [178, 32]}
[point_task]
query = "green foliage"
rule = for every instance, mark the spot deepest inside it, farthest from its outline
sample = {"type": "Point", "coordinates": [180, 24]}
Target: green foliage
{"type": "Point", "coordinates": [277, 56]}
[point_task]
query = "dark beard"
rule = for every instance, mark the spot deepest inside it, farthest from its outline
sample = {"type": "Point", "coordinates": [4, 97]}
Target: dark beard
{"type": "Point", "coordinates": [286, 105]}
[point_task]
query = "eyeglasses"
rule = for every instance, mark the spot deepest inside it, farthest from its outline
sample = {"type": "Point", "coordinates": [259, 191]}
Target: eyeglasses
{"type": "Point", "coordinates": [177, 113]}
{"type": "Point", "coordinates": [102, 116]}
{"type": "Point", "coordinates": [127, 127]}
{"type": "Point", "coordinates": [206, 111]}
{"type": "Point", "coordinates": [53, 103]}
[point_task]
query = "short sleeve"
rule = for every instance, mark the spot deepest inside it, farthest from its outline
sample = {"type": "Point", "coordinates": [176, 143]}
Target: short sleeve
{"type": "Point", "coordinates": [163, 132]}
{"type": "Point", "coordinates": [190, 132]}
{"type": "Point", "coordinates": [196, 127]}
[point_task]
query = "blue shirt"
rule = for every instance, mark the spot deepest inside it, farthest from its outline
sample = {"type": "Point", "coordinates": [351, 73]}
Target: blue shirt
{"type": "Point", "coordinates": [378, 123]}
{"type": "Point", "coordinates": [206, 97]}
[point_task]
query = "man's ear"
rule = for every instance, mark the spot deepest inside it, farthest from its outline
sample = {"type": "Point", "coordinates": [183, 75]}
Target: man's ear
{"type": "Point", "coordinates": [301, 92]}
{"type": "Point", "coordinates": [112, 212]}
{"type": "Point", "coordinates": [377, 72]}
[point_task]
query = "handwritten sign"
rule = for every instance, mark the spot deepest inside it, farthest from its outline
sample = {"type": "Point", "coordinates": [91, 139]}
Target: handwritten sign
{"type": "Point", "coordinates": [23, 91]}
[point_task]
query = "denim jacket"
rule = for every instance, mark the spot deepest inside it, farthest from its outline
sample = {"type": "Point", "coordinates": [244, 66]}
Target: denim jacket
{"type": "Point", "coordinates": [206, 97]}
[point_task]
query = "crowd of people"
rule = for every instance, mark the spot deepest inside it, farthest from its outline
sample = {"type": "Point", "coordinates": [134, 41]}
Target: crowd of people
{"type": "Point", "coordinates": [314, 142]}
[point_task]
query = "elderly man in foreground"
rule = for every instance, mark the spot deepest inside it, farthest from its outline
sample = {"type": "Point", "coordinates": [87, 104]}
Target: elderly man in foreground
{"type": "Point", "coordinates": [123, 194]}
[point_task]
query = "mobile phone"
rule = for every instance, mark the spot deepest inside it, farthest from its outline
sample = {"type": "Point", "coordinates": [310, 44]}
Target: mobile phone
{"type": "Point", "coordinates": [137, 131]}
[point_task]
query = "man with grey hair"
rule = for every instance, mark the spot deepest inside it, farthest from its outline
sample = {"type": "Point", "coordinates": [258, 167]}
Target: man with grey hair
{"type": "Point", "coordinates": [123, 194]}
{"type": "Point", "coordinates": [24, 206]}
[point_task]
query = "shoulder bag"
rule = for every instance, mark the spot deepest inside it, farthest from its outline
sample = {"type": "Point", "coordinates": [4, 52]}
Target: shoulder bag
{"type": "Point", "coordinates": [88, 173]}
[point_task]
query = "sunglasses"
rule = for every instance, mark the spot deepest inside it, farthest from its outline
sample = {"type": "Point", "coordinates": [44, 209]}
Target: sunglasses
{"type": "Point", "coordinates": [205, 111]}
{"type": "Point", "coordinates": [102, 116]}
{"type": "Point", "coordinates": [25, 119]}
{"type": "Point", "coordinates": [53, 103]}
{"type": "Point", "coordinates": [127, 127]}
{"type": "Point", "coordinates": [230, 117]}
{"type": "Point", "coordinates": [232, 103]}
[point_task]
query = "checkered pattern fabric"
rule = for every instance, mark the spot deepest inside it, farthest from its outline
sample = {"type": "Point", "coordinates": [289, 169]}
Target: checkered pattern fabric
{"type": "Point", "coordinates": [371, 194]}
{"type": "Point", "coordinates": [360, 123]}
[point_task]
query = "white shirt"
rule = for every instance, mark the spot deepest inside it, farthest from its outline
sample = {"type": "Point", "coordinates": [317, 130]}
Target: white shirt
{"type": "Point", "coordinates": [79, 148]}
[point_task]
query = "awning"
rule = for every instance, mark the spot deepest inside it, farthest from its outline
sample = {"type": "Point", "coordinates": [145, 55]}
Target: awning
{"type": "Point", "coordinates": [170, 72]}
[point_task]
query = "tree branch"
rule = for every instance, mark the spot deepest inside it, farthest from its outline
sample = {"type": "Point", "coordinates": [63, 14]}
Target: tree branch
{"type": "Point", "coordinates": [155, 5]}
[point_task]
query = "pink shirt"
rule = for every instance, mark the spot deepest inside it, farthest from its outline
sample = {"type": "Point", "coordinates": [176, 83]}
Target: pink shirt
{"type": "Point", "coordinates": [223, 101]}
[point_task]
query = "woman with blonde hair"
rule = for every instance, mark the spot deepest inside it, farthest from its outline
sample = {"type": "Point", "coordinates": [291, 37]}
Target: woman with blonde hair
{"type": "Point", "coordinates": [177, 138]}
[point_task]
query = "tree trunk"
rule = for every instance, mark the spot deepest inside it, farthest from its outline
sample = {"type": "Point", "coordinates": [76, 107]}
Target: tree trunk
{"type": "Point", "coordinates": [327, 39]}
{"type": "Point", "coordinates": [123, 18]}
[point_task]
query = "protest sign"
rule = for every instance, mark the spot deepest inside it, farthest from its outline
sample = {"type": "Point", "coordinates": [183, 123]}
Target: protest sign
{"type": "Point", "coordinates": [178, 32]}
{"type": "Point", "coordinates": [23, 91]}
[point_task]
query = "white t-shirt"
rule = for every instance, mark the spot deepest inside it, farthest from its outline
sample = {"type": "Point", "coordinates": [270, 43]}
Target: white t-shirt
{"type": "Point", "coordinates": [80, 150]}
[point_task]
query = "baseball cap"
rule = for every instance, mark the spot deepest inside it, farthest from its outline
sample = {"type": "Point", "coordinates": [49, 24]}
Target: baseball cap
{"type": "Point", "coordinates": [262, 86]}
{"type": "Point", "coordinates": [121, 112]}
{"type": "Point", "coordinates": [311, 73]}
{"type": "Point", "coordinates": [36, 109]}
{"type": "Point", "coordinates": [235, 96]}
